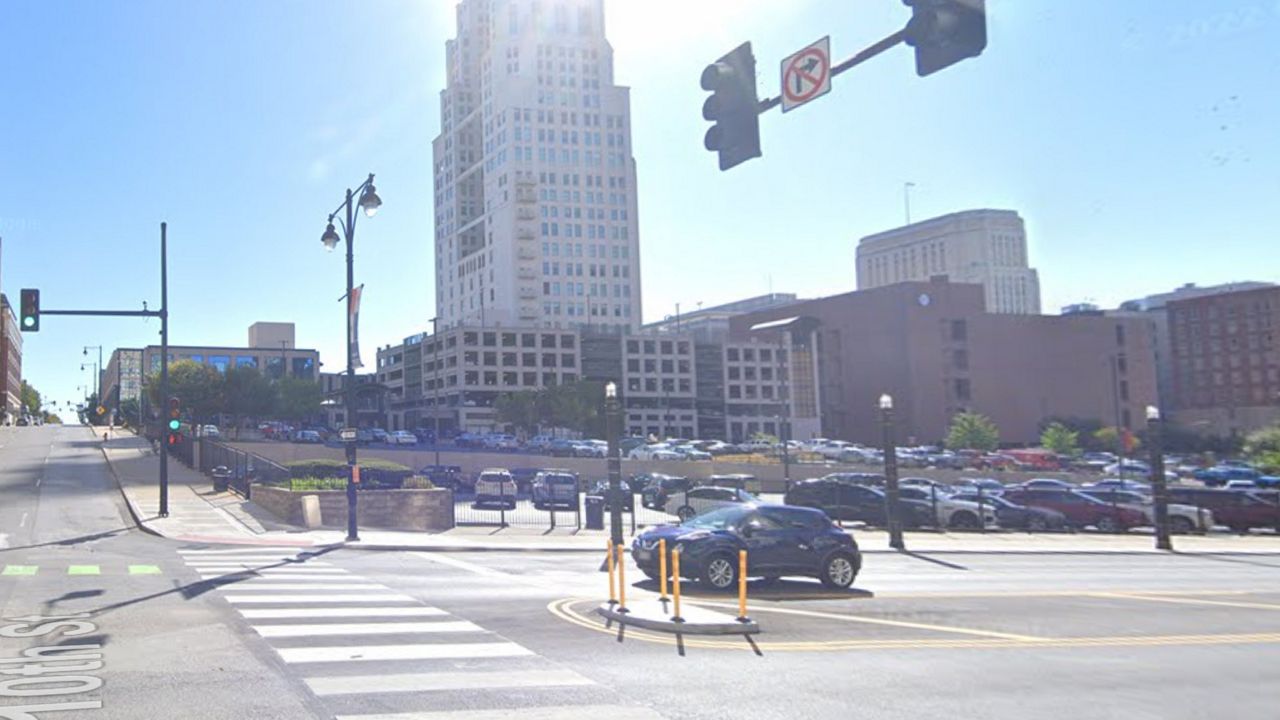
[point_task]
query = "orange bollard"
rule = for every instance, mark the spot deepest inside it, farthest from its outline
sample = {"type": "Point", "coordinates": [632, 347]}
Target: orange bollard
{"type": "Point", "coordinates": [608, 551]}
{"type": "Point", "coordinates": [662, 569]}
{"type": "Point", "coordinates": [622, 579]}
{"type": "Point", "coordinates": [675, 584]}
{"type": "Point", "coordinates": [742, 586]}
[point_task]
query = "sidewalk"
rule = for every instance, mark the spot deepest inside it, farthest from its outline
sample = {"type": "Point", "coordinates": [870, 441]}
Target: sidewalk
{"type": "Point", "coordinates": [197, 514]}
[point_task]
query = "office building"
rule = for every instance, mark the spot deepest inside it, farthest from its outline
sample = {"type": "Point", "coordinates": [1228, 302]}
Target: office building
{"type": "Point", "coordinates": [122, 379]}
{"type": "Point", "coordinates": [938, 352]}
{"type": "Point", "coordinates": [711, 324]}
{"type": "Point", "coordinates": [983, 247]}
{"type": "Point", "coordinates": [535, 184]}
{"type": "Point", "coordinates": [10, 364]}
{"type": "Point", "coordinates": [1225, 361]}
{"type": "Point", "coordinates": [280, 358]}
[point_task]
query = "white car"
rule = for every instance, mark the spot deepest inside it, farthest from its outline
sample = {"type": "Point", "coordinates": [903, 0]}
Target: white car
{"type": "Point", "coordinates": [210, 431]}
{"type": "Point", "coordinates": [757, 446]}
{"type": "Point", "coordinates": [696, 501]}
{"type": "Point", "coordinates": [501, 441]}
{"type": "Point", "coordinates": [591, 449]}
{"type": "Point", "coordinates": [496, 486]}
{"type": "Point", "coordinates": [689, 452]}
{"type": "Point", "coordinates": [402, 437]}
{"type": "Point", "coordinates": [833, 448]}
{"type": "Point", "coordinates": [952, 513]}
{"type": "Point", "coordinates": [657, 451]}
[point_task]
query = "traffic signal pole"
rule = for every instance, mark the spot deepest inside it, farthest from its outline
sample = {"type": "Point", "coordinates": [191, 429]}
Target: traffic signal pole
{"type": "Point", "coordinates": [163, 314]}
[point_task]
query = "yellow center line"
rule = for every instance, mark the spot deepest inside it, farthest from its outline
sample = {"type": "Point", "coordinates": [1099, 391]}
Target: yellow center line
{"type": "Point", "coordinates": [1188, 601]}
{"type": "Point", "coordinates": [891, 623]}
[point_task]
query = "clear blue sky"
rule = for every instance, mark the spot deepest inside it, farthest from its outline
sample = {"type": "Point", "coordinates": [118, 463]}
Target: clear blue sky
{"type": "Point", "coordinates": [1138, 139]}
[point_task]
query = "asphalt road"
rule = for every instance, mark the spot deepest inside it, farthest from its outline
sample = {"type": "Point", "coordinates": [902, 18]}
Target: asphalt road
{"type": "Point", "coordinates": [197, 631]}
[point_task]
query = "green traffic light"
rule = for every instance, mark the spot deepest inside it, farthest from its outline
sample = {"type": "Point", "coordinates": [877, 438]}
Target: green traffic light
{"type": "Point", "coordinates": [175, 425]}
{"type": "Point", "coordinates": [28, 321]}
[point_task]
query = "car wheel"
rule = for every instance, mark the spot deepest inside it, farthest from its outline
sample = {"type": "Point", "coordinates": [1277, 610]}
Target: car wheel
{"type": "Point", "coordinates": [686, 513]}
{"type": "Point", "coordinates": [720, 573]}
{"type": "Point", "coordinates": [651, 573]}
{"type": "Point", "coordinates": [1037, 523]}
{"type": "Point", "coordinates": [1180, 525]}
{"type": "Point", "coordinates": [839, 571]}
{"type": "Point", "coordinates": [964, 520]}
{"type": "Point", "coordinates": [1107, 524]}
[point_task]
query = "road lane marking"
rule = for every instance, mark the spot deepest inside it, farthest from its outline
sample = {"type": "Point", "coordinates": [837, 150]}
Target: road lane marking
{"type": "Point", "coordinates": [271, 585]}
{"type": "Point", "coordinates": [23, 522]}
{"type": "Point", "coordinates": [891, 623]}
{"type": "Point", "coordinates": [1187, 601]}
{"type": "Point", "coordinates": [388, 628]}
{"type": "Point", "coordinates": [312, 599]}
{"type": "Point", "coordinates": [464, 565]}
{"type": "Point", "coordinates": [84, 570]}
{"type": "Point", "coordinates": [39, 480]}
{"type": "Point", "coordinates": [144, 570]}
{"type": "Point", "coordinates": [320, 613]}
{"type": "Point", "coordinates": [20, 569]}
{"type": "Point", "coordinates": [443, 651]}
{"type": "Point", "coordinates": [564, 712]}
{"type": "Point", "coordinates": [271, 575]}
{"type": "Point", "coordinates": [564, 610]}
{"type": "Point", "coordinates": [446, 681]}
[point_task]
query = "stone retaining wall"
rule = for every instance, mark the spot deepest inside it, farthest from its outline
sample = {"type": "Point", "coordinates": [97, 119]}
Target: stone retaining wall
{"type": "Point", "coordinates": [384, 509]}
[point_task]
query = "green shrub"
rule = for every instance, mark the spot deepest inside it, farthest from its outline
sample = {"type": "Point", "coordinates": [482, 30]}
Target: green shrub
{"type": "Point", "coordinates": [313, 484]}
{"type": "Point", "coordinates": [330, 468]}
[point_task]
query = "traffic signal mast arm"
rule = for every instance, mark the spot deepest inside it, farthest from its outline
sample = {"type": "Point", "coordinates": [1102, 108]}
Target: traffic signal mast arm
{"type": "Point", "coordinates": [861, 57]}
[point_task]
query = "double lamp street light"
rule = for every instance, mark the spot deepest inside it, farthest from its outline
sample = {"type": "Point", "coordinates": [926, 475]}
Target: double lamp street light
{"type": "Point", "coordinates": [346, 216]}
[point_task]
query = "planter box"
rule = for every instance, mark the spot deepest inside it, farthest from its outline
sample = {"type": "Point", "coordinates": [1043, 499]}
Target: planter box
{"type": "Point", "coordinates": [386, 509]}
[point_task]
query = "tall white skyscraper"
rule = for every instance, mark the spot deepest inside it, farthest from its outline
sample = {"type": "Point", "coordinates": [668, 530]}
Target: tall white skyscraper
{"type": "Point", "coordinates": [535, 184]}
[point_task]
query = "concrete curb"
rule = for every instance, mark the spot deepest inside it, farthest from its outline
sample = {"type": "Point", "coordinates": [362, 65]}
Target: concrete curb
{"type": "Point", "coordinates": [749, 627]}
{"type": "Point", "coordinates": [133, 510]}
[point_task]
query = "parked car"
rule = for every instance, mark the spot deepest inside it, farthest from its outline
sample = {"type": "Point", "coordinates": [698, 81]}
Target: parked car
{"type": "Point", "coordinates": [1241, 485]}
{"type": "Point", "coordinates": [1081, 510]}
{"type": "Point", "coordinates": [1240, 511]}
{"type": "Point", "coordinates": [627, 444]}
{"type": "Point", "coordinates": [555, 488]}
{"type": "Point", "coordinates": [739, 481]}
{"type": "Point", "coordinates": [716, 447]}
{"type": "Point", "coordinates": [496, 486]}
{"type": "Point", "coordinates": [1096, 461]}
{"type": "Point", "coordinates": [854, 502]}
{"type": "Point", "coordinates": [308, 436]}
{"type": "Point", "coordinates": [1223, 473]}
{"type": "Point", "coordinates": [757, 446]}
{"type": "Point", "coordinates": [1183, 518]}
{"type": "Point", "coordinates": [698, 500]}
{"type": "Point", "coordinates": [657, 451]}
{"type": "Point", "coordinates": [539, 443]}
{"type": "Point", "coordinates": [925, 483]}
{"type": "Point", "coordinates": [868, 479]}
{"type": "Point", "coordinates": [779, 541]}
{"type": "Point", "coordinates": [445, 476]}
{"type": "Point", "coordinates": [524, 478]}
{"type": "Point", "coordinates": [426, 436]}
{"type": "Point", "coordinates": [402, 437]}
{"type": "Point", "coordinates": [1036, 458]}
{"type": "Point", "coordinates": [1119, 484]}
{"type": "Point", "coordinates": [1132, 467]}
{"type": "Point", "coordinates": [561, 448]}
{"type": "Point", "coordinates": [1047, 484]}
{"type": "Point", "coordinates": [952, 513]}
{"type": "Point", "coordinates": [591, 449]}
{"type": "Point", "coordinates": [859, 456]}
{"type": "Point", "coordinates": [691, 453]}
{"type": "Point", "coordinates": [600, 488]}
{"type": "Point", "coordinates": [210, 431]}
{"type": "Point", "coordinates": [379, 435]}
{"type": "Point", "coordinates": [660, 487]}
{"type": "Point", "coordinates": [1013, 516]}
{"type": "Point", "coordinates": [995, 461]}
{"type": "Point", "coordinates": [468, 440]}
{"type": "Point", "coordinates": [988, 485]}
{"type": "Point", "coordinates": [364, 437]}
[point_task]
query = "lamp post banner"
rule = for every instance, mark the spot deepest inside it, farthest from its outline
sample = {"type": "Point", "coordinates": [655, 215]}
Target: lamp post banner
{"type": "Point", "coordinates": [353, 310]}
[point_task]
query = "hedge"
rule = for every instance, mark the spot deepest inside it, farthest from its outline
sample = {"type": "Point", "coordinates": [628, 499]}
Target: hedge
{"type": "Point", "coordinates": [313, 484]}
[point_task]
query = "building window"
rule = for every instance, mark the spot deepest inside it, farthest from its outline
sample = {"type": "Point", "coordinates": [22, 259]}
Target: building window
{"type": "Point", "coordinates": [220, 362]}
{"type": "Point", "coordinates": [1120, 337]}
{"type": "Point", "coordinates": [304, 367]}
{"type": "Point", "coordinates": [246, 362]}
{"type": "Point", "coordinates": [963, 390]}
{"type": "Point", "coordinates": [959, 331]}
{"type": "Point", "coordinates": [960, 359]}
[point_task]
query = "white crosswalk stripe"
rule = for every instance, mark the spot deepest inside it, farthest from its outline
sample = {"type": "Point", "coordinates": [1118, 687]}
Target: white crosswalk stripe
{"type": "Point", "coordinates": [360, 645]}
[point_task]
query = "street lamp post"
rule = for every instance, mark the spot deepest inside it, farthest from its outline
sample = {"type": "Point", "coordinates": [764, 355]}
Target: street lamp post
{"type": "Point", "coordinates": [1155, 439]}
{"type": "Point", "coordinates": [892, 517]}
{"type": "Point", "coordinates": [369, 202]}
{"type": "Point", "coordinates": [611, 417]}
{"type": "Point", "coordinates": [101, 367]}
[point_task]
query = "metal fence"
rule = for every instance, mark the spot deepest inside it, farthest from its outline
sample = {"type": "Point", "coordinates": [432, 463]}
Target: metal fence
{"type": "Point", "coordinates": [519, 510]}
{"type": "Point", "coordinates": [245, 468]}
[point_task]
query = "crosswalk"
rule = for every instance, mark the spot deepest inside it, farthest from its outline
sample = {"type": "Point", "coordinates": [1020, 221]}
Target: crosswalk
{"type": "Point", "coordinates": [18, 571]}
{"type": "Point", "coordinates": [372, 653]}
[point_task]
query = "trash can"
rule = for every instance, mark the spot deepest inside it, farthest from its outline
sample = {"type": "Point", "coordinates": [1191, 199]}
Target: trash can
{"type": "Point", "coordinates": [595, 512]}
{"type": "Point", "coordinates": [221, 478]}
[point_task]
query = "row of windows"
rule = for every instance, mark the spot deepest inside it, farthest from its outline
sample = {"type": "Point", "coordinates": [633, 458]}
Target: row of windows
{"type": "Point", "coordinates": [656, 347]}
{"type": "Point", "coordinates": [586, 309]}
{"type": "Point", "coordinates": [272, 366]}
{"type": "Point", "coordinates": [752, 373]}
{"type": "Point", "coordinates": [662, 385]}
{"type": "Point", "coordinates": [575, 213]}
{"type": "Point", "coordinates": [492, 378]}
{"type": "Point", "coordinates": [554, 289]}
{"type": "Point", "coordinates": [652, 365]}
{"type": "Point", "coordinates": [594, 232]}
{"type": "Point", "coordinates": [592, 198]}
{"type": "Point", "coordinates": [552, 268]}
{"type": "Point", "coordinates": [734, 354]}
{"type": "Point", "coordinates": [750, 392]}
{"type": "Point", "coordinates": [510, 359]}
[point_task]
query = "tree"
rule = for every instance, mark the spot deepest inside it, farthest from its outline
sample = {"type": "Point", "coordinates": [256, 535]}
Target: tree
{"type": "Point", "coordinates": [1060, 439]}
{"type": "Point", "coordinates": [248, 394]}
{"type": "Point", "coordinates": [577, 406]}
{"type": "Point", "coordinates": [1263, 447]}
{"type": "Point", "coordinates": [29, 398]}
{"type": "Point", "coordinates": [51, 419]}
{"type": "Point", "coordinates": [520, 409]}
{"type": "Point", "coordinates": [1117, 441]}
{"type": "Point", "coordinates": [299, 399]}
{"type": "Point", "coordinates": [972, 431]}
{"type": "Point", "coordinates": [1084, 428]}
{"type": "Point", "coordinates": [198, 387]}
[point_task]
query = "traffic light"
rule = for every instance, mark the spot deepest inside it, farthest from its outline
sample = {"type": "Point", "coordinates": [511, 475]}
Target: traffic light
{"type": "Point", "coordinates": [30, 321]}
{"type": "Point", "coordinates": [944, 32]}
{"type": "Point", "coordinates": [733, 106]}
{"type": "Point", "coordinates": [175, 420]}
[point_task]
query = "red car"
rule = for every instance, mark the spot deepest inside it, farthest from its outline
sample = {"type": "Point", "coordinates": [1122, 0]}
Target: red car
{"type": "Point", "coordinates": [1080, 510]}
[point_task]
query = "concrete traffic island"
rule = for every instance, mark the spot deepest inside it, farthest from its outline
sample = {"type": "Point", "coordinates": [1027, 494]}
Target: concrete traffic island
{"type": "Point", "coordinates": [657, 614]}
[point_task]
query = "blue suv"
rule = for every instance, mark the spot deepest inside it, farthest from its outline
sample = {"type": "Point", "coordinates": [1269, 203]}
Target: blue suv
{"type": "Point", "coordinates": [779, 540]}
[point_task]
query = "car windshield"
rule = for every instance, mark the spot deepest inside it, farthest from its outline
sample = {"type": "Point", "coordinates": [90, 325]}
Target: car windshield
{"type": "Point", "coordinates": [720, 519]}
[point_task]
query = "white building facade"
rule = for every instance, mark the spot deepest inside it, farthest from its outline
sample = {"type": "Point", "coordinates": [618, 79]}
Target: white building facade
{"type": "Point", "coordinates": [985, 247]}
{"type": "Point", "coordinates": [535, 184]}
